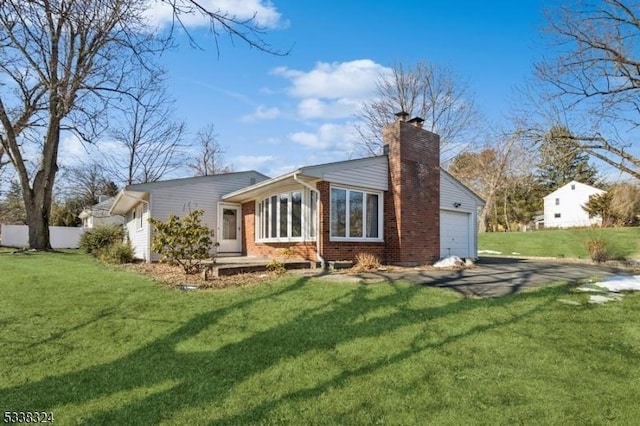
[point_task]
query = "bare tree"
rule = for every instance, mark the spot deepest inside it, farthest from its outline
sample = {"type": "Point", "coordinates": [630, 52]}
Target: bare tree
{"type": "Point", "coordinates": [209, 160]}
{"type": "Point", "coordinates": [429, 91]}
{"type": "Point", "coordinates": [86, 183]}
{"type": "Point", "coordinates": [595, 79]}
{"type": "Point", "coordinates": [148, 140]}
{"type": "Point", "coordinates": [494, 171]}
{"type": "Point", "coordinates": [62, 64]}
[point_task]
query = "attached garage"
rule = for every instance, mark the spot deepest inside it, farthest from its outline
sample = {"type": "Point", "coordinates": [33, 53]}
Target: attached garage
{"type": "Point", "coordinates": [455, 234]}
{"type": "Point", "coordinates": [458, 218]}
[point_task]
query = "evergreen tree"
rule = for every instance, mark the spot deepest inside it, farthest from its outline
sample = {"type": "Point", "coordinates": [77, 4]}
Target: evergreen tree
{"type": "Point", "coordinates": [562, 160]}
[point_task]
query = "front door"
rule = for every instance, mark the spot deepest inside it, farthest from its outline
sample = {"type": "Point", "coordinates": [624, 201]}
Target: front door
{"type": "Point", "coordinates": [229, 229]}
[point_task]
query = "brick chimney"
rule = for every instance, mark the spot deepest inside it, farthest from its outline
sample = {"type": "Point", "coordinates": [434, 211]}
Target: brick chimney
{"type": "Point", "coordinates": [412, 206]}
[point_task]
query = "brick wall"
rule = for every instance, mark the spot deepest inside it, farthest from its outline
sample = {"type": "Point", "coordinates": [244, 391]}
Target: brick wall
{"type": "Point", "coordinates": [412, 204]}
{"type": "Point", "coordinates": [411, 207]}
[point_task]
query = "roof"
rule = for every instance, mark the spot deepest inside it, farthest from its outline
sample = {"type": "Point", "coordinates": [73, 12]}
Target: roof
{"type": "Point", "coordinates": [591, 189]}
{"type": "Point", "coordinates": [147, 187]}
{"type": "Point", "coordinates": [303, 175]}
{"type": "Point", "coordinates": [100, 209]}
{"type": "Point", "coordinates": [130, 196]}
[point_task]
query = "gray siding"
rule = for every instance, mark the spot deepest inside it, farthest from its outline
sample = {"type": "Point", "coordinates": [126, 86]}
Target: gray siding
{"type": "Point", "coordinates": [138, 235]}
{"type": "Point", "coordinates": [194, 195]}
{"type": "Point", "coordinates": [373, 176]}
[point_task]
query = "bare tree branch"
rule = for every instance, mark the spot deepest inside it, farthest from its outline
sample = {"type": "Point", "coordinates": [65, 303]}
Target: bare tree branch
{"type": "Point", "coordinates": [149, 140]}
{"type": "Point", "coordinates": [596, 78]}
{"type": "Point", "coordinates": [223, 23]}
{"type": "Point", "coordinates": [431, 92]}
{"type": "Point", "coordinates": [209, 160]}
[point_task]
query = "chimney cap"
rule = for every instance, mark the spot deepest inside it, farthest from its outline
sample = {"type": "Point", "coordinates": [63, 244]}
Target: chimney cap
{"type": "Point", "coordinates": [417, 120]}
{"type": "Point", "coordinates": [402, 115]}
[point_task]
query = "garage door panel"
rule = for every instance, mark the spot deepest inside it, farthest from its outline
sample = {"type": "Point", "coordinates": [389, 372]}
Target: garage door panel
{"type": "Point", "coordinates": [454, 234]}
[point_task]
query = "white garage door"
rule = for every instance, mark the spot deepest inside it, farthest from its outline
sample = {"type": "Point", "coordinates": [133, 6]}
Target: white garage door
{"type": "Point", "coordinates": [454, 234]}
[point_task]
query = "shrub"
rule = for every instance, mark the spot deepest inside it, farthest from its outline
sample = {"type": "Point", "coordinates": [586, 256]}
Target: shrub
{"type": "Point", "coordinates": [100, 238]}
{"type": "Point", "coordinates": [185, 242]}
{"type": "Point", "coordinates": [597, 248]}
{"type": "Point", "coordinates": [119, 252]}
{"type": "Point", "coordinates": [366, 262]}
{"type": "Point", "coordinates": [276, 267]}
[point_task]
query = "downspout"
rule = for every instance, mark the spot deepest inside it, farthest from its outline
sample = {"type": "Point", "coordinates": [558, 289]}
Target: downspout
{"type": "Point", "coordinates": [149, 229]}
{"type": "Point", "coordinates": [312, 189]}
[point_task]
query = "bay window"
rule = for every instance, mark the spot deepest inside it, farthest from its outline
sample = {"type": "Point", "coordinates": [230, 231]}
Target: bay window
{"type": "Point", "coordinates": [355, 214]}
{"type": "Point", "coordinates": [279, 217]}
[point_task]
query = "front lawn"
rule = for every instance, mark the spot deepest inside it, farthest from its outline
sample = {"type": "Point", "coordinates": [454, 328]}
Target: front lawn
{"type": "Point", "coordinates": [98, 345]}
{"type": "Point", "coordinates": [570, 243]}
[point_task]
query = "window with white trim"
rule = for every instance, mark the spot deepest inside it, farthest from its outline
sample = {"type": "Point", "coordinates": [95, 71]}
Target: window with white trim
{"type": "Point", "coordinates": [279, 217]}
{"type": "Point", "coordinates": [355, 215]}
{"type": "Point", "coordinates": [138, 214]}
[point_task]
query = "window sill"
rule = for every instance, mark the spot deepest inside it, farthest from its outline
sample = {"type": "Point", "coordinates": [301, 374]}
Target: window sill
{"type": "Point", "coordinates": [284, 240]}
{"type": "Point", "coordinates": [355, 240]}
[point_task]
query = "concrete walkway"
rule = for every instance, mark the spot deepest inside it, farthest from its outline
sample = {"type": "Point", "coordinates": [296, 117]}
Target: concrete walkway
{"type": "Point", "coordinates": [495, 277]}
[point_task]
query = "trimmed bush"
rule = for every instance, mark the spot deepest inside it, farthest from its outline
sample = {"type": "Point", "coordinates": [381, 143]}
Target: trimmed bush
{"type": "Point", "coordinates": [118, 252]}
{"type": "Point", "coordinates": [100, 238]}
{"type": "Point", "coordinates": [183, 241]}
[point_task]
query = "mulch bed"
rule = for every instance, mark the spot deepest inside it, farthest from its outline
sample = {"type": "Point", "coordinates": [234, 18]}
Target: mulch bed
{"type": "Point", "coordinates": [174, 276]}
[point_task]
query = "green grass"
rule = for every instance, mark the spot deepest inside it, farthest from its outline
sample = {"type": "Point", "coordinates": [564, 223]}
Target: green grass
{"type": "Point", "coordinates": [96, 345]}
{"type": "Point", "coordinates": [570, 243]}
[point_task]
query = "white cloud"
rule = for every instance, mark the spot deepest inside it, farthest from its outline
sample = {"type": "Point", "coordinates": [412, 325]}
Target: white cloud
{"type": "Point", "coordinates": [160, 13]}
{"type": "Point", "coordinates": [262, 113]}
{"type": "Point", "coordinates": [328, 109]}
{"type": "Point", "coordinates": [353, 79]}
{"type": "Point", "coordinates": [333, 90]}
{"type": "Point", "coordinates": [73, 151]}
{"type": "Point", "coordinates": [328, 137]}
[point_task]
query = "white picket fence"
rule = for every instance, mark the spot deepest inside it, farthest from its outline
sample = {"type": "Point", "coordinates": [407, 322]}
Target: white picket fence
{"type": "Point", "coordinates": [60, 236]}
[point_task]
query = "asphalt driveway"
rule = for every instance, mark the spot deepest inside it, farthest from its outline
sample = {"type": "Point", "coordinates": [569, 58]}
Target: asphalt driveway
{"type": "Point", "coordinates": [495, 276]}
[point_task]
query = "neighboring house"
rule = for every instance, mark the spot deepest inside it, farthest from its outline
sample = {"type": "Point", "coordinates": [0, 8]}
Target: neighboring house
{"type": "Point", "coordinates": [180, 196]}
{"type": "Point", "coordinates": [98, 214]}
{"type": "Point", "coordinates": [563, 208]}
{"type": "Point", "coordinates": [400, 206]}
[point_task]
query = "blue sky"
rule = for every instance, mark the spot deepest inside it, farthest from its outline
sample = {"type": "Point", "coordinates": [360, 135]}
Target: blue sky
{"type": "Point", "coordinates": [274, 114]}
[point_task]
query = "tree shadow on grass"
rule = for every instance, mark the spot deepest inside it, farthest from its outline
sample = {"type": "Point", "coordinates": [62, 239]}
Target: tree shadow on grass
{"type": "Point", "coordinates": [208, 377]}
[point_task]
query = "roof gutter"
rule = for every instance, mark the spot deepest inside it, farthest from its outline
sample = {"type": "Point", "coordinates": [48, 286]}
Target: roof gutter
{"type": "Point", "coordinates": [123, 193]}
{"type": "Point", "coordinates": [311, 188]}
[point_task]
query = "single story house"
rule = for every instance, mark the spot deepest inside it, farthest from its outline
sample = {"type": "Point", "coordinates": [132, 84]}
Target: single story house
{"type": "Point", "coordinates": [400, 206]}
{"type": "Point", "coordinates": [98, 214]}
{"type": "Point", "coordinates": [180, 196]}
{"type": "Point", "coordinates": [563, 208]}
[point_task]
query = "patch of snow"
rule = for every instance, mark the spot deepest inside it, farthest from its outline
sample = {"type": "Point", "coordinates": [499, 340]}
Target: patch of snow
{"type": "Point", "coordinates": [188, 287]}
{"type": "Point", "coordinates": [449, 262]}
{"type": "Point", "coordinates": [600, 298]}
{"type": "Point", "coordinates": [489, 252]}
{"type": "Point", "coordinates": [621, 283]}
{"type": "Point", "coordinates": [589, 288]}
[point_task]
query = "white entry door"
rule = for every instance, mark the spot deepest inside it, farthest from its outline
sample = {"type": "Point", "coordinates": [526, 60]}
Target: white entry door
{"type": "Point", "coordinates": [229, 228]}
